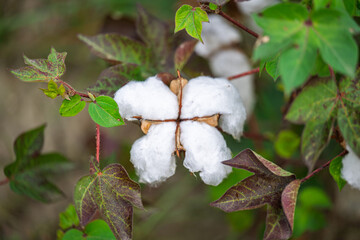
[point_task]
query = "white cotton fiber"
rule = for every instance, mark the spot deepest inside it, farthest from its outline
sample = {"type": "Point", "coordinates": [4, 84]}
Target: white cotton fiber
{"type": "Point", "coordinates": [205, 150]}
{"type": "Point", "coordinates": [230, 62]}
{"type": "Point", "coordinates": [255, 6]}
{"type": "Point", "coordinates": [152, 154]}
{"type": "Point", "coordinates": [206, 96]}
{"type": "Point", "coordinates": [150, 99]}
{"type": "Point", "coordinates": [216, 34]}
{"type": "Point", "coordinates": [351, 168]}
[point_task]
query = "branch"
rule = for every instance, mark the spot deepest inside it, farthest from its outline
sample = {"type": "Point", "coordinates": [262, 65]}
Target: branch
{"type": "Point", "coordinates": [230, 19]}
{"type": "Point", "coordinates": [4, 181]}
{"type": "Point", "coordinates": [313, 173]}
{"type": "Point", "coordinates": [98, 143]}
{"type": "Point", "coordinates": [72, 90]}
{"type": "Point", "coordinates": [244, 74]}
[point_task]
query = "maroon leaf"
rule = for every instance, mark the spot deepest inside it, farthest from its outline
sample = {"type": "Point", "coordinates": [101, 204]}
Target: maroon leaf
{"type": "Point", "coordinates": [288, 200]}
{"type": "Point", "coordinates": [42, 70]}
{"type": "Point", "coordinates": [113, 78]}
{"type": "Point", "coordinates": [183, 53]}
{"type": "Point", "coordinates": [156, 34]}
{"type": "Point", "coordinates": [271, 186]}
{"type": "Point", "coordinates": [118, 49]}
{"type": "Point", "coordinates": [113, 194]}
{"type": "Point", "coordinates": [277, 225]}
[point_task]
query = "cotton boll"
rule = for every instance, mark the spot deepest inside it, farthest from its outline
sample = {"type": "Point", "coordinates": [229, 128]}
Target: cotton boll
{"type": "Point", "coordinates": [351, 168]}
{"type": "Point", "coordinates": [255, 6]}
{"type": "Point", "coordinates": [205, 150]}
{"type": "Point", "coordinates": [206, 96]}
{"type": "Point", "coordinates": [152, 154]}
{"type": "Point", "coordinates": [216, 34]}
{"type": "Point", "coordinates": [150, 99]}
{"type": "Point", "coordinates": [230, 62]}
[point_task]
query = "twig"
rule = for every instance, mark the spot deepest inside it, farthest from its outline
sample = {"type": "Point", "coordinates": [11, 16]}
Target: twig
{"type": "Point", "coordinates": [230, 19]}
{"type": "Point", "coordinates": [244, 74]}
{"type": "Point", "coordinates": [98, 143]}
{"type": "Point", "coordinates": [4, 181]}
{"type": "Point", "coordinates": [71, 89]}
{"type": "Point", "coordinates": [310, 175]}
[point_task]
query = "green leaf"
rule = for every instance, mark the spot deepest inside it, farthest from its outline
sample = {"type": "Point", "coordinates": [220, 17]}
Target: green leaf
{"type": "Point", "coordinates": [52, 91]}
{"type": "Point", "coordinates": [272, 68]}
{"type": "Point", "coordinates": [72, 107]}
{"type": "Point", "coordinates": [317, 101]}
{"type": "Point", "coordinates": [335, 171]}
{"type": "Point", "coordinates": [105, 112]}
{"type": "Point", "coordinates": [28, 174]}
{"type": "Point", "coordinates": [113, 78]}
{"type": "Point", "coordinates": [270, 185]}
{"type": "Point", "coordinates": [74, 234]}
{"type": "Point", "coordinates": [286, 143]}
{"type": "Point", "coordinates": [216, 2]}
{"type": "Point", "coordinates": [349, 124]}
{"type": "Point", "coordinates": [296, 63]}
{"type": "Point", "coordinates": [42, 70]}
{"type": "Point", "coordinates": [113, 193]}
{"type": "Point", "coordinates": [95, 230]}
{"type": "Point", "coordinates": [118, 49]}
{"type": "Point", "coordinates": [191, 19]}
{"type": "Point", "coordinates": [183, 53]}
{"type": "Point", "coordinates": [213, 6]}
{"type": "Point", "coordinates": [315, 138]}
{"type": "Point", "coordinates": [69, 218]}
{"type": "Point", "coordinates": [337, 46]}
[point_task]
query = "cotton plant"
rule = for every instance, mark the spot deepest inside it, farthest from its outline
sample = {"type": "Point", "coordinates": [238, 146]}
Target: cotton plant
{"type": "Point", "coordinates": [224, 59]}
{"type": "Point", "coordinates": [351, 168]}
{"type": "Point", "coordinates": [184, 116]}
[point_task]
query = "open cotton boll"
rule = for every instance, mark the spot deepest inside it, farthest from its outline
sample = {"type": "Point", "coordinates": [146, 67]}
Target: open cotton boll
{"type": "Point", "coordinates": [205, 150]}
{"type": "Point", "coordinates": [152, 154]}
{"type": "Point", "coordinates": [351, 168]}
{"type": "Point", "coordinates": [150, 99]}
{"type": "Point", "coordinates": [216, 34]}
{"type": "Point", "coordinates": [206, 96]}
{"type": "Point", "coordinates": [230, 62]}
{"type": "Point", "coordinates": [255, 6]}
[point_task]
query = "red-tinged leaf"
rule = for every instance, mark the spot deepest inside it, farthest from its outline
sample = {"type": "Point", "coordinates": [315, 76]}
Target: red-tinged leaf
{"type": "Point", "coordinates": [113, 78]}
{"type": "Point", "coordinates": [271, 186]}
{"type": "Point", "coordinates": [277, 225]}
{"type": "Point", "coordinates": [183, 53]}
{"type": "Point", "coordinates": [350, 90]}
{"type": "Point", "coordinates": [113, 194]}
{"type": "Point", "coordinates": [288, 200]}
{"type": "Point", "coordinates": [315, 138]}
{"type": "Point", "coordinates": [251, 161]}
{"type": "Point", "coordinates": [156, 35]}
{"type": "Point", "coordinates": [42, 70]}
{"type": "Point", "coordinates": [117, 48]}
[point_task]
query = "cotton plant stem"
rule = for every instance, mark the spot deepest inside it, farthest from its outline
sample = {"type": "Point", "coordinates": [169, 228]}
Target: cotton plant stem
{"type": "Point", "coordinates": [4, 181]}
{"type": "Point", "coordinates": [313, 173]}
{"type": "Point", "coordinates": [256, 70]}
{"type": "Point", "coordinates": [71, 89]}
{"type": "Point", "coordinates": [230, 19]}
{"type": "Point", "coordinates": [98, 143]}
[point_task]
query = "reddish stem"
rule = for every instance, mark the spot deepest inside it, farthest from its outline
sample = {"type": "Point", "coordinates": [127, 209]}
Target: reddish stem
{"type": "Point", "coordinates": [98, 143]}
{"type": "Point", "coordinates": [71, 89]}
{"type": "Point", "coordinates": [4, 181]}
{"type": "Point", "coordinates": [244, 74]}
{"type": "Point", "coordinates": [310, 175]}
{"type": "Point", "coordinates": [230, 19]}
